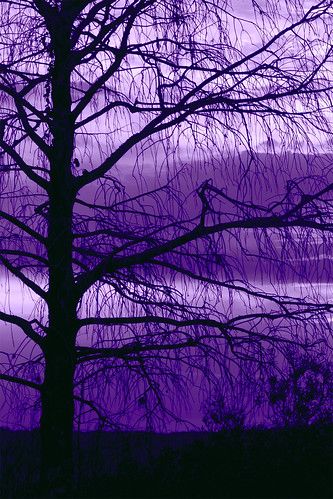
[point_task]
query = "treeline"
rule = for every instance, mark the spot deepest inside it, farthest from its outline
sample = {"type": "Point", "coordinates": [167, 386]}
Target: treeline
{"type": "Point", "coordinates": [256, 463]}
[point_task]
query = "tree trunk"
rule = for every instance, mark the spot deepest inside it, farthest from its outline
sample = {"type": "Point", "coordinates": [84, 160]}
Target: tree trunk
{"type": "Point", "coordinates": [59, 350]}
{"type": "Point", "coordinates": [57, 420]}
{"type": "Point", "coordinates": [57, 394]}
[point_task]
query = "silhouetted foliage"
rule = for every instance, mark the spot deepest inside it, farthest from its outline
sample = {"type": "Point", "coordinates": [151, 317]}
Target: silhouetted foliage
{"type": "Point", "coordinates": [303, 393]}
{"type": "Point", "coordinates": [218, 416]}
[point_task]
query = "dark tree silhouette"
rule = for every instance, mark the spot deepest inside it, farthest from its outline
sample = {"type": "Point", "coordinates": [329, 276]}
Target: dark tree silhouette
{"type": "Point", "coordinates": [135, 209]}
{"type": "Point", "coordinates": [300, 394]}
{"type": "Point", "coordinates": [218, 415]}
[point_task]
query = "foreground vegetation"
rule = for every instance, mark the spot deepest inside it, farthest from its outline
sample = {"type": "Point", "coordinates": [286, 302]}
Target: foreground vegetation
{"type": "Point", "coordinates": [294, 463]}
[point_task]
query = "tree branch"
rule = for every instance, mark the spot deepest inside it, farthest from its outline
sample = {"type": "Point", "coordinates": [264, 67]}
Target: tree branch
{"type": "Point", "coordinates": [111, 264]}
{"type": "Point", "coordinates": [27, 169]}
{"type": "Point", "coordinates": [24, 325]}
{"type": "Point", "coordinates": [23, 278]}
{"type": "Point", "coordinates": [20, 381]}
{"type": "Point", "coordinates": [25, 228]}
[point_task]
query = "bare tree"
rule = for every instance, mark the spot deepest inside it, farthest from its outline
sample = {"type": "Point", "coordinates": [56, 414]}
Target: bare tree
{"type": "Point", "coordinates": [130, 211]}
